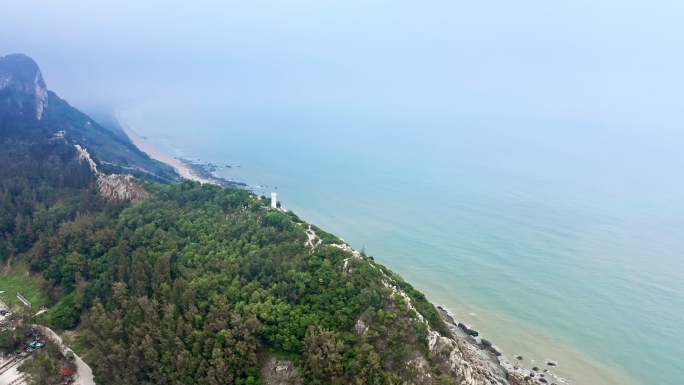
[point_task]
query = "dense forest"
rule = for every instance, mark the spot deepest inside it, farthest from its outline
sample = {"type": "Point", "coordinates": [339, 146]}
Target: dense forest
{"type": "Point", "coordinates": [197, 283]}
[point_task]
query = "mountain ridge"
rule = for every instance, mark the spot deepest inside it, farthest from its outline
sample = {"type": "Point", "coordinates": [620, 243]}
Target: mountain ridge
{"type": "Point", "coordinates": [24, 93]}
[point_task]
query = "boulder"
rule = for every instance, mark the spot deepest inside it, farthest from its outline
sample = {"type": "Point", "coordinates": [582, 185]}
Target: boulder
{"type": "Point", "coordinates": [467, 331]}
{"type": "Point", "coordinates": [279, 372]}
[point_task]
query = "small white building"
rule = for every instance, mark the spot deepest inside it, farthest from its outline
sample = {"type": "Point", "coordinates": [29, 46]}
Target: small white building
{"type": "Point", "coordinates": [274, 200]}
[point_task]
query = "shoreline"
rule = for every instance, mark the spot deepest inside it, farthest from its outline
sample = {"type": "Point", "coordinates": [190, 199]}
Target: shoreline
{"type": "Point", "coordinates": [572, 368]}
{"type": "Point", "coordinates": [515, 368]}
{"type": "Point", "coordinates": [145, 146]}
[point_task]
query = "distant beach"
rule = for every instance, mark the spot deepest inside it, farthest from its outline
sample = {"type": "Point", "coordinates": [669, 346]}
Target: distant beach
{"type": "Point", "coordinates": [181, 168]}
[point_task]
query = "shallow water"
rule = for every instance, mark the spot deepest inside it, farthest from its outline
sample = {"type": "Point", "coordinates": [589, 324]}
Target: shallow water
{"type": "Point", "coordinates": [556, 240]}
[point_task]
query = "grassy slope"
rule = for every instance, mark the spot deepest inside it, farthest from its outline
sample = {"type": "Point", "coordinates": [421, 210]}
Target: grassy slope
{"type": "Point", "coordinates": [17, 281]}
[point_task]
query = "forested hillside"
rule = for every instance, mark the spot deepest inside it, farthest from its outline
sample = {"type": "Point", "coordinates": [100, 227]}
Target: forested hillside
{"type": "Point", "coordinates": [195, 284]}
{"type": "Point", "coordinates": [199, 284]}
{"type": "Point", "coordinates": [43, 185]}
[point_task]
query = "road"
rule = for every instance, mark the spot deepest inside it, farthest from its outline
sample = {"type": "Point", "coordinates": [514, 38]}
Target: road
{"type": "Point", "coordinates": [85, 374]}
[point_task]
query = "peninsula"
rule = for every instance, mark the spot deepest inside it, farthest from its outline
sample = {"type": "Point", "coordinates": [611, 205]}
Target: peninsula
{"type": "Point", "coordinates": [169, 281]}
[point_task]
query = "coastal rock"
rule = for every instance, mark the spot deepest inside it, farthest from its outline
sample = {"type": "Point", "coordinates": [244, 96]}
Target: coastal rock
{"type": "Point", "coordinates": [493, 350]}
{"type": "Point", "coordinates": [456, 355]}
{"type": "Point", "coordinates": [468, 331]}
{"type": "Point", "coordinates": [479, 366]}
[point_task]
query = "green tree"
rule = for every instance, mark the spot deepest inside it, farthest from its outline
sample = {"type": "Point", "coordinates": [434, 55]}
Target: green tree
{"type": "Point", "coordinates": [65, 315]}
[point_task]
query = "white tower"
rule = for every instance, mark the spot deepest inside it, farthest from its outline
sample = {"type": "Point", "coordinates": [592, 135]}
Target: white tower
{"type": "Point", "coordinates": [274, 200]}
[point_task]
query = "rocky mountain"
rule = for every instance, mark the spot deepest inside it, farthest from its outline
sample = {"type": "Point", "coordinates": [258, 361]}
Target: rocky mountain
{"type": "Point", "coordinates": [22, 88]}
{"type": "Point", "coordinates": [23, 93]}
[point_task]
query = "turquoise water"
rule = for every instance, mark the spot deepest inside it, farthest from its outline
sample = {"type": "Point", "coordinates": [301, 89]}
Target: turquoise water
{"type": "Point", "coordinates": [557, 240]}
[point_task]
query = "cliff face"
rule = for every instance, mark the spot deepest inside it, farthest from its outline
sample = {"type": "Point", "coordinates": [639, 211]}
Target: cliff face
{"type": "Point", "coordinates": [22, 87]}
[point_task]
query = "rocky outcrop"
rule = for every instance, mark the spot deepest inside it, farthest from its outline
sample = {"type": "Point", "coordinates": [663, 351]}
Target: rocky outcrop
{"type": "Point", "coordinates": [468, 331]}
{"type": "Point", "coordinates": [460, 358]}
{"type": "Point", "coordinates": [84, 155]}
{"type": "Point", "coordinates": [486, 361]}
{"type": "Point", "coordinates": [22, 84]}
{"type": "Point", "coordinates": [121, 187]}
{"type": "Point", "coordinates": [279, 372]}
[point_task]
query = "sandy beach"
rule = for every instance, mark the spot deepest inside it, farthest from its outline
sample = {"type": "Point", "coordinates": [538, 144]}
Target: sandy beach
{"type": "Point", "coordinates": [155, 153]}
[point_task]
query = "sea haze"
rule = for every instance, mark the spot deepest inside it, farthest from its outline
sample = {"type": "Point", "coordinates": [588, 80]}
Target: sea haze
{"type": "Point", "coordinates": [555, 239]}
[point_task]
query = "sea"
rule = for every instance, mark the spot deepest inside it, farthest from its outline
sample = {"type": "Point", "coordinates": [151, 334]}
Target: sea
{"type": "Point", "coordinates": [555, 239]}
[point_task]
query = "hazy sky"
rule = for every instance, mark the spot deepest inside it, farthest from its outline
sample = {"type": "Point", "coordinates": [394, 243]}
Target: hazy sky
{"type": "Point", "coordinates": [608, 61]}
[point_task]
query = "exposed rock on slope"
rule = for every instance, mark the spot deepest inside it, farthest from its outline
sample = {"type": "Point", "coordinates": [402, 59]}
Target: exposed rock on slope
{"type": "Point", "coordinates": [121, 187]}
{"type": "Point", "coordinates": [115, 186]}
{"type": "Point", "coordinates": [84, 155]}
{"type": "Point", "coordinates": [279, 372]}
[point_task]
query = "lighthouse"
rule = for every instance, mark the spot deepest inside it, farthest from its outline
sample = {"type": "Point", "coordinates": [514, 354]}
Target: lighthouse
{"type": "Point", "coordinates": [274, 200]}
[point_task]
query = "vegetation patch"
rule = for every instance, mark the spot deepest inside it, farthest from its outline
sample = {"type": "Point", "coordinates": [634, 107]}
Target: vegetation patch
{"type": "Point", "coordinates": [16, 280]}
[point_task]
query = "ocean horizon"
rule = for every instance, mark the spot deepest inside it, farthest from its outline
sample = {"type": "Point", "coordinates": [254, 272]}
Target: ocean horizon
{"type": "Point", "coordinates": [557, 240]}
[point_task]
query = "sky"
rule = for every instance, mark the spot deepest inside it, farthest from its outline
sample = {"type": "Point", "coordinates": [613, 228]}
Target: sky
{"type": "Point", "coordinates": [614, 62]}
